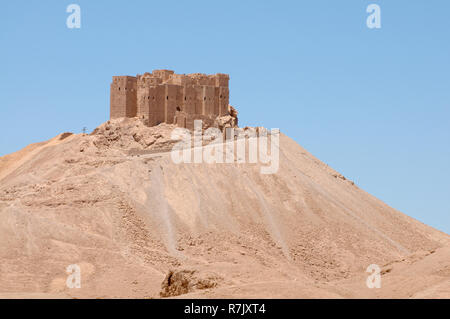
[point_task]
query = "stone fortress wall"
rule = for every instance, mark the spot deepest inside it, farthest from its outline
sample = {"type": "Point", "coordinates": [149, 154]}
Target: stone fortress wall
{"type": "Point", "coordinates": [163, 96]}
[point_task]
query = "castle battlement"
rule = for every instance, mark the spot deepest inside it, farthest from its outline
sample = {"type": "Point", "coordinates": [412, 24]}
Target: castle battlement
{"type": "Point", "coordinates": [163, 96]}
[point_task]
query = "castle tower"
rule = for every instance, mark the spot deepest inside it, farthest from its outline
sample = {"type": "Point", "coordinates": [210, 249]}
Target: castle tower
{"type": "Point", "coordinates": [223, 93]}
{"type": "Point", "coordinates": [222, 79]}
{"type": "Point", "coordinates": [123, 97]}
{"type": "Point", "coordinates": [163, 74]}
{"type": "Point", "coordinates": [149, 97]}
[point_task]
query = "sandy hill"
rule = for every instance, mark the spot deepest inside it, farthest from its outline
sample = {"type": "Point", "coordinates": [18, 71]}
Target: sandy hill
{"type": "Point", "coordinates": [139, 225]}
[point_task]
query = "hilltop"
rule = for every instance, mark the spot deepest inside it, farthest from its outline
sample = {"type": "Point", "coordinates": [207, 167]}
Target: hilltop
{"type": "Point", "coordinates": [139, 225]}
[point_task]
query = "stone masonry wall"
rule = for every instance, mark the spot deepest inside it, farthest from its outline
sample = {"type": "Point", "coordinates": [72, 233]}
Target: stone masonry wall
{"type": "Point", "coordinates": [163, 96]}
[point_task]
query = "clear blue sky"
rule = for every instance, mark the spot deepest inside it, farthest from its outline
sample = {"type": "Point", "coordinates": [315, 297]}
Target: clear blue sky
{"type": "Point", "coordinates": [373, 104]}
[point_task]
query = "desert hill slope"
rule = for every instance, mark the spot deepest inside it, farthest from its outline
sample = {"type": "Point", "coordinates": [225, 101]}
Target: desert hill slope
{"type": "Point", "coordinates": [114, 203]}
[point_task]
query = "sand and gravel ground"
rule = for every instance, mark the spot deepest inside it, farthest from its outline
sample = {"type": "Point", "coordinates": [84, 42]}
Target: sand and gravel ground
{"type": "Point", "coordinates": [141, 226]}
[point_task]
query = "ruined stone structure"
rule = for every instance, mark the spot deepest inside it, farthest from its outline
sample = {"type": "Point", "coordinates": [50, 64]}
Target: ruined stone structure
{"type": "Point", "coordinates": [163, 96]}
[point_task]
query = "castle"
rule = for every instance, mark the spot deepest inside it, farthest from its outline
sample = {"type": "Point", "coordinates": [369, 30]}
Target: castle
{"type": "Point", "coordinates": [163, 96]}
